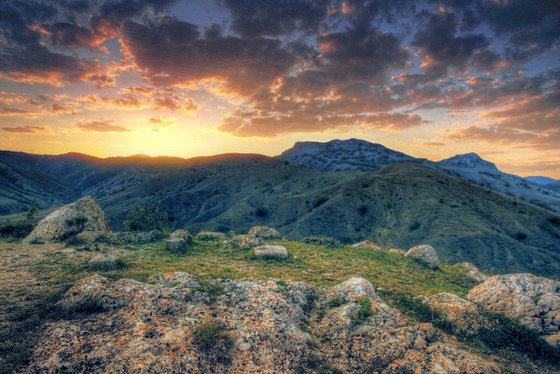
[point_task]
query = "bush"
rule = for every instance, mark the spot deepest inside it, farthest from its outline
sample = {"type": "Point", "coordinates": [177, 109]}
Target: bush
{"type": "Point", "coordinates": [16, 230]}
{"type": "Point", "coordinates": [86, 305]}
{"type": "Point", "coordinates": [414, 226]}
{"type": "Point", "coordinates": [555, 220]}
{"type": "Point", "coordinates": [363, 210]}
{"type": "Point", "coordinates": [365, 308]}
{"type": "Point", "coordinates": [261, 212]}
{"type": "Point", "coordinates": [520, 236]}
{"type": "Point", "coordinates": [320, 201]}
{"type": "Point", "coordinates": [211, 340]}
{"type": "Point", "coordinates": [146, 218]}
{"type": "Point", "coordinates": [337, 301]}
{"type": "Point", "coordinates": [322, 240]}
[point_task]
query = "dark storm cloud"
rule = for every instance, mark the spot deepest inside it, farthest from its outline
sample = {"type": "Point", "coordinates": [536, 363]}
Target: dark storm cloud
{"type": "Point", "coordinates": [272, 18]}
{"type": "Point", "coordinates": [442, 48]}
{"type": "Point", "coordinates": [172, 52]}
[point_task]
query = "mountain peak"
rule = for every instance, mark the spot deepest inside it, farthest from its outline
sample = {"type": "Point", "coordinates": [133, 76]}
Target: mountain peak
{"type": "Point", "coordinates": [343, 155]}
{"type": "Point", "coordinates": [468, 160]}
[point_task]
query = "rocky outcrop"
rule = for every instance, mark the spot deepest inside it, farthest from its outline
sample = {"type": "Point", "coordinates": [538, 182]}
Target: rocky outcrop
{"type": "Point", "coordinates": [178, 245]}
{"type": "Point", "coordinates": [182, 234]}
{"type": "Point", "coordinates": [263, 326]}
{"type": "Point", "coordinates": [244, 241]}
{"type": "Point", "coordinates": [271, 251]}
{"type": "Point", "coordinates": [425, 254]}
{"type": "Point", "coordinates": [82, 215]}
{"type": "Point", "coordinates": [264, 232]}
{"type": "Point", "coordinates": [367, 244]}
{"type": "Point", "coordinates": [397, 251]}
{"type": "Point", "coordinates": [533, 300]}
{"type": "Point", "coordinates": [472, 271]}
{"type": "Point", "coordinates": [462, 313]}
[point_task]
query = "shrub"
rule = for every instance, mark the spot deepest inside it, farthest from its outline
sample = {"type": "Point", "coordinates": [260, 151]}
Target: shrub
{"type": "Point", "coordinates": [320, 201]}
{"type": "Point", "coordinates": [17, 230]}
{"type": "Point", "coordinates": [520, 236]}
{"type": "Point", "coordinates": [337, 301]}
{"type": "Point", "coordinates": [555, 220]}
{"type": "Point", "coordinates": [365, 308]}
{"type": "Point", "coordinates": [363, 210]}
{"type": "Point", "coordinates": [146, 218]}
{"type": "Point", "coordinates": [414, 226]}
{"type": "Point", "coordinates": [261, 212]}
{"type": "Point", "coordinates": [322, 240]}
{"type": "Point", "coordinates": [211, 340]}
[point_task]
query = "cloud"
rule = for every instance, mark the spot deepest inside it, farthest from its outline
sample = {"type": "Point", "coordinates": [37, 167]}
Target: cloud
{"type": "Point", "coordinates": [23, 129]}
{"type": "Point", "coordinates": [101, 126]}
{"type": "Point", "coordinates": [4, 111]}
{"type": "Point", "coordinates": [508, 137]}
{"type": "Point", "coordinates": [171, 52]}
{"type": "Point", "coordinates": [272, 18]}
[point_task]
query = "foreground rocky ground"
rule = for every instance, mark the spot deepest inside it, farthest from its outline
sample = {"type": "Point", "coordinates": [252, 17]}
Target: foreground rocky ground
{"type": "Point", "coordinates": [141, 302]}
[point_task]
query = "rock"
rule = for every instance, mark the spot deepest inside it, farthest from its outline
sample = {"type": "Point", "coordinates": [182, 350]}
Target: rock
{"type": "Point", "coordinates": [150, 328]}
{"type": "Point", "coordinates": [425, 254]}
{"type": "Point", "coordinates": [104, 263]}
{"type": "Point", "coordinates": [533, 300]}
{"type": "Point", "coordinates": [397, 251]}
{"type": "Point", "coordinates": [461, 313]}
{"type": "Point", "coordinates": [82, 215]}
{"type": "Point", "coordinates": [367, 244]}
{"type": "Point", "coordinates": [244, 241]}
{"type": "Point", "coordinates": [177, 245]}
{"type": "Point", "coordinates": [472, 271]}
{"type": "Point", "coordinates": [182, 234]}
{"type": "Point", "coordinates": [354, 289]}
{"type": "Point", "coordinates": [264, 232]}
{"type": "Point", "coordinates": [277, 251]}
{"type": "Point", "coordinates": [136, 237]}
{"type": "Point", "coordinates": [87, 237]}
{"type": "Point", "coordinates": [210, 236]}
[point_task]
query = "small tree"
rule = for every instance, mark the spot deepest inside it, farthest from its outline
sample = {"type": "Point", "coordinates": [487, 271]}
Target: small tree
{"type": "Point", "coordinates": [146, 218]}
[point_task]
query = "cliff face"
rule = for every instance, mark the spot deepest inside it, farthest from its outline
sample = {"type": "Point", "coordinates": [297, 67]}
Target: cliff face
{"type": "Point", "coordinates": [180, 323]}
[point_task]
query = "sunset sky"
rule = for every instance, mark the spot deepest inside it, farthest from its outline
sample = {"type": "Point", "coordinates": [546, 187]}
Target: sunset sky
{"type": "Point", "coordinates": [188, 78]}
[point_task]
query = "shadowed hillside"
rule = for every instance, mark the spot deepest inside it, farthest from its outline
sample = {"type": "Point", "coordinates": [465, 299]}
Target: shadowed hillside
{"type": "Point", "coordinates": [400, 205]}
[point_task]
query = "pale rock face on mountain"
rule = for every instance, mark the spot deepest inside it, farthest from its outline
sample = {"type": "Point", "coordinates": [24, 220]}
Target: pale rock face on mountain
{"type": "Point", "coordinates": [151, 328]}
{"type": "Point", "coordinates": [533, 300]}
{"type": "Point", "coordinates": [472, 167]}
{"type": "Point", "coordinates": [83, 215]}
{"type": "Point", "coordinates": [339, 155]}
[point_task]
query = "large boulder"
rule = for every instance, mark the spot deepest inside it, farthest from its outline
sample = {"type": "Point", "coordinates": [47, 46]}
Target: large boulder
{"type": "Point", "coordinates": [254, 327]}
{"type": "Point", "coordinates": [244, 241]}
{"type": "Point", "coordinates": [177, 245]}
{"type": "Point", "coordinates": [182, 234]}
{"type": "Point", "coordinates": [533, 300]}
{"type": "Point", "coordinates": [264, 232]}
{"type": "Point", "coordinates": [271, 251]}
{"type": "Point", "coordinates": [82, 215]}
{"type": "Point", "coordinates": [425, 254]}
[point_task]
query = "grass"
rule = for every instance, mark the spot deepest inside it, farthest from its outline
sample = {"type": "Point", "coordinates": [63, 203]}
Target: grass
{"type": "Point", "coordinates": [212, 341]}
{"type": "Point", "coordinates": [317, 265]}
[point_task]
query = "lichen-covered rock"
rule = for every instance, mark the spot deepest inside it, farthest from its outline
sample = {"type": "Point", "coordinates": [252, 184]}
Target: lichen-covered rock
{"type": "Point", "coordinates": [472, 271]}
{"type": "Point", "coordinates": [367, 244]}
{"type": "Point", "coordinates": [462, 313]}
{"type": "Point", "coordinates": [177, 245]}
{"type": "Point", "coordinates": [82, 215]}
{"type": "Point", "coordinates": [273, 251]}
{"type": "Point", "coordinates": [210, 236]}
{"type": "Point", "coordinates": [397, 251]}
{"type": "Point", "coordinates": [425, 254]}
{"type": "Point", "coordinates": [244, 241]}
{"type": "Point", "coordinates": [353, 289]}
{"type": "Point", "coordinates": [273, 328]}
{"type": "Point", "coordinates": [184, 235]}
{"type": "Point", "coordinates": [533, 300]}
{"type": "Point", "coordinates": [264, 232]}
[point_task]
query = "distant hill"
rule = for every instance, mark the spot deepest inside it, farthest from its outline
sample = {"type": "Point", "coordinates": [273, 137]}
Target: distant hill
{"type": "Point", "coordinates": [354, 154]}
{"type": "Point", "coordinates": [398, 206]}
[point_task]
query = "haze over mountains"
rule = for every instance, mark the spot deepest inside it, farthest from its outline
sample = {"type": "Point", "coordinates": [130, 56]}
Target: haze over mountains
{"type": "Point", "coordinates": [375, 193]}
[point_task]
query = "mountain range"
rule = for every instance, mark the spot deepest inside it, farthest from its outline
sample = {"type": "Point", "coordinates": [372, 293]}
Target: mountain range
{"type": "Point", "coordinates": [351, 190]}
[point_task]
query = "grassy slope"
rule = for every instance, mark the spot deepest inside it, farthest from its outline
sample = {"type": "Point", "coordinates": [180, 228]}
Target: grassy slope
{"type": "Point", "coordinates": [400, 206]}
